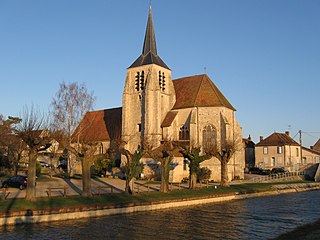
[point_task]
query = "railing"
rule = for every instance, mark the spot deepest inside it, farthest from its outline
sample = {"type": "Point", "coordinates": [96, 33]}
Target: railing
{"type": "Point", "coordinates": [277, 176]}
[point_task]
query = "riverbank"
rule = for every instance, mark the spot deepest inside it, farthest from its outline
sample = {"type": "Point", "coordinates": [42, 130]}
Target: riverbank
{"type": "Point", "coordinates": [18, 211]}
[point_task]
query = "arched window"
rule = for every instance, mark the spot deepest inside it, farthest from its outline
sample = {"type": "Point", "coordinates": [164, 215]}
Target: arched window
{"type": "Point", "coordinates": [184, 133]}
{"type": "Point", "coordinates": [209, 137]}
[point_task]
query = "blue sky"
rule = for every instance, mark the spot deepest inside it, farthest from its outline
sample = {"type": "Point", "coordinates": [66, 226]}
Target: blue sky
{"type": "Point", "coordinates": [263, 55]}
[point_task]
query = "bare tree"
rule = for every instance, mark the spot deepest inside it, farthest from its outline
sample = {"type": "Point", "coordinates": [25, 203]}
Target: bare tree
{"type": "Point", "coordinates": [85, 153]}
{"type": "Point", "coordinates": [131, 165]}
{"type": "Point", "coordinates": [224, 154]}
{"type": "Point", "coordinates": [194, 158]}
{"type": "Point", "coordinates": [33, 130]}
{"type": "Point", "coordinates": [70, 104]}
{"type": "Point", "coordinates": [163, 154]}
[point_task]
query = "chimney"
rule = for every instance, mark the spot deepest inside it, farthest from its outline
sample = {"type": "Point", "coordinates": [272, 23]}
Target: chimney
{"type": "Point", "coordinates": [287, 133]}
{"type": "Point", "coordinates": [261, 138]}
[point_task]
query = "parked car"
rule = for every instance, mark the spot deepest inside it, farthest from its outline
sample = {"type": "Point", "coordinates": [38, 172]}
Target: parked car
{"type": "Point", "coordinates": [255, 170]}
{"type": "Point", "coordinates": [278, 170]}
{"type": "Point", "coordinates": [18, 181]}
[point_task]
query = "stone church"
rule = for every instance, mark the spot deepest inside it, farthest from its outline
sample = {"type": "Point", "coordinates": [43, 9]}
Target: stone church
{"type": "Point", "coordinates": [156, 108]}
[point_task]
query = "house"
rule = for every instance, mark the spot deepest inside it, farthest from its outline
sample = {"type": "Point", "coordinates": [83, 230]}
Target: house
{"type": "Point", "coordinates": [249, 147]}
{"type": "Point", "coordinates": [155, 108]}
{"type": "Point", "coordinates": [316, 146]}
{"type": "Point", "coordinates": [280, 150]}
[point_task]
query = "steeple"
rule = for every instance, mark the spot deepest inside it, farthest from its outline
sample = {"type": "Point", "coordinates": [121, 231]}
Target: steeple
{"type": "Point", "coordinates": [149, 52]}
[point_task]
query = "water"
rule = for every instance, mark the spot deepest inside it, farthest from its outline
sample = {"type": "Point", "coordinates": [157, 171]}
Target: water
{"type": "Point", "coordinates": [256, 218]}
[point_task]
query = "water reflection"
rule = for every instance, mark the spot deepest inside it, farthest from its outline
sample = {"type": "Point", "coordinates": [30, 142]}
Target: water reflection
{"type": "Point", "coordinates": [259, 218]}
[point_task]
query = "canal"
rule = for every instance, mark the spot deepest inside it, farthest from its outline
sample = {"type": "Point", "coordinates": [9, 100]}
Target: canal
{"type": "Point", "coordinates": [256, 218]}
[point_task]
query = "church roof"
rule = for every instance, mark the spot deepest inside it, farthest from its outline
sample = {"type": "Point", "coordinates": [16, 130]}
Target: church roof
{"type": "Point", "coordinates": [198, 91]}
{"type": "Point", "coordinates": [169, 119]}
{"type": "Point", "coordinates": [277, 139]}
{"type": "Point", "coordinates": [149, 52]}
{"type": "Point", "coordinates": [101, 125]}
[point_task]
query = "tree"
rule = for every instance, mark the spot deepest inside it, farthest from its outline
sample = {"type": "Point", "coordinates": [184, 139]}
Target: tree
{"type": "Point", "coordinates": [194, 157]}
{"type": "Point", "coordinates": [33, 130]}
{"type": "Point", "coordinates": [224, 154]}
{"type": "Point", "coordinates": [132, 165]}
{"type": "Point", "coordinates": [163, 154]}
{"type": "Point", "coordinates": [69, 106]}
{"type": "Point", "coordinates": [85, 152]}
{"type": "Point", "coordinates": [11, 145]}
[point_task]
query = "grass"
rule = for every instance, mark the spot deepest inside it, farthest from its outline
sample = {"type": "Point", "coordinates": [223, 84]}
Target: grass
{"type": "Point", "coordinates": [144, 197]}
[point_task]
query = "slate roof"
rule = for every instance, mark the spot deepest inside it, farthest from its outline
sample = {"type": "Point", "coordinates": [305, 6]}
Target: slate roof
{"type": "Point", "coordinates": [277, 139]}
{"type": "Point", "coordinates": [102, 125]}
{"type": "Point", "coordinates": [149, 51]}
{"type": "Point", "coordinates": [198, 91]}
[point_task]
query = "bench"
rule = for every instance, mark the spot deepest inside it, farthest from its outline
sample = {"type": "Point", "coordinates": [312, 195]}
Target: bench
{"type": "Point", "coordinates": [50, 189]}
{"type": "Point", "coordinates": [5, 194]}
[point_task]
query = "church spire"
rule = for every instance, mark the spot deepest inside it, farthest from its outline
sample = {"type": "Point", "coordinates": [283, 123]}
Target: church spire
{"type": "Point", "coordinates": [149, 52]}
{"type": "Point", "coordinates": [149, 39]}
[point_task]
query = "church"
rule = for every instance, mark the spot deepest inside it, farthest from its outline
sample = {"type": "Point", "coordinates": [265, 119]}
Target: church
{"type": "Point", "coordinates": [157, 108]}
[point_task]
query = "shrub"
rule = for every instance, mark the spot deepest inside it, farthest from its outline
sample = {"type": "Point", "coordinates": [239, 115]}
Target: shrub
{"type": "Point", "coordinates": [203, 173]}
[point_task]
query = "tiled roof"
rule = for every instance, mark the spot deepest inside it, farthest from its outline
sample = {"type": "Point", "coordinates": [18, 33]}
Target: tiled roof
{"type": "Point", "coordinates": [102, 125]}
{"type": "Point", "coordinates": [277, 139]}
{"type": "Point", "coordinates": [317, 145]}
{"type": "Point", "coordinates": [169, 119]}
{"type": "Point", "coordinates": [198, 91]}
{"type": "Point", "coordinates": [314, 151]}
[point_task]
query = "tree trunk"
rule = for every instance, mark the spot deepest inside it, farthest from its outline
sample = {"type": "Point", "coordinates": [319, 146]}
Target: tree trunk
{"type": "Point", "coordinates": [193, 180]}
{"type": "Point", "coordinates": [31, 185]}
{"type": "Point", "coordinates": [224, 173]}
{"type": "Point", "coordinates": [86, 178]}
{"type": "Point", "coordinates": [165, 168]}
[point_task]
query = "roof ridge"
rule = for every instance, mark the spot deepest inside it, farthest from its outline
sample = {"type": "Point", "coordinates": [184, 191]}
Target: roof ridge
{"type": "Point", "coordinates": [198, 92]}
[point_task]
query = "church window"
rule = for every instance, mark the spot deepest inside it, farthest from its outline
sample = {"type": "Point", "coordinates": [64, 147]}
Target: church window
{"type": "Point", "coordinates": [184, 133]}
{"type": "Point", "coordinates": [142, 80]}
{"type": "Point", "coordinates": [139, 82]}
{"type": "Point", "coordinates": [101, 149]}
{"type": "Point", "coordinates": [139, 127]}
{"type": "Point", "coordinates": [209, 138]}
{"type": "Point", "coordinates": [162, 81]}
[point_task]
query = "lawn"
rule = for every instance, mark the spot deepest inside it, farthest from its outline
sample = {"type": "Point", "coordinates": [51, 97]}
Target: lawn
{"type": "Point", "coordinates": [122, 199]}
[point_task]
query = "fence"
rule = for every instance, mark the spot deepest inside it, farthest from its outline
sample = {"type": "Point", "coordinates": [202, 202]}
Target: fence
{"type": "Point", "coordinates": [278, 176]}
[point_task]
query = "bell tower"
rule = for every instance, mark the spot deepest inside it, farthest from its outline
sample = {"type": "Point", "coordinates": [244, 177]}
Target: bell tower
{"type": "Point", "coordinates": [148, 95]}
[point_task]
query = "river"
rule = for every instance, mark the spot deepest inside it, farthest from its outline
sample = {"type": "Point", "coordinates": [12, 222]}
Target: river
{"type": "Point", "coordinates": [255, 218]}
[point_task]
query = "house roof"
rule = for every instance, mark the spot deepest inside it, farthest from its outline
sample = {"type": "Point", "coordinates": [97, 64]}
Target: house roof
{"type": "Point", "coordinates": [102, 125]}
{"type": "Point", "coordinates": [169, 119]}
{"type": "Point", "coordinates": [277, 139]}
{"type": "Point", "coordinates": [317, 145]}
{"type": "Point", "coordinates": [311, 150]}
{"type": "Point", "coordinates": [198, 91]}
{"type": "Point", "coordinates": [149, 51]}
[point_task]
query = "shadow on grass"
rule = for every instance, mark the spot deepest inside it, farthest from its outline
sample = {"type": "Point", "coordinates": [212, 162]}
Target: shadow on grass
{"type": "Point", "coordinates": [73, 186]}
{"type": "Point", "coordinates": [107, 184]}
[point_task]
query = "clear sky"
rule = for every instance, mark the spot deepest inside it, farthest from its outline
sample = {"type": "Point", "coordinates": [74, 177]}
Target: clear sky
{"type": "Point", "coordinates": [264, 55]}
